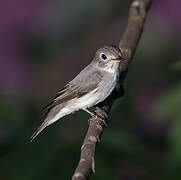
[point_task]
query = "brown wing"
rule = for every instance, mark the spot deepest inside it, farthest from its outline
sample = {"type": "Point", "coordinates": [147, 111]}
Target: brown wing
{"type": "Point", "coordinates": [65, 95]}
{"type": "Point", "coordinates": [76, 88]}
{"type": "Point", "coordinates": [49, 106]}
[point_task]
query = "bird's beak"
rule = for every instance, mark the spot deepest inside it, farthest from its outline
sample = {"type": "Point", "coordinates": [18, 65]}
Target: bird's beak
{"type": "Point", "coordinates": [118, 59]}
{"type": "Point", "coordinates": [115, 60]}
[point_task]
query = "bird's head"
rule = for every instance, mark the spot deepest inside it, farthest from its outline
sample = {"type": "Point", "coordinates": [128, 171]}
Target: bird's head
{"type": "Point", "coordinates": [108, 58]}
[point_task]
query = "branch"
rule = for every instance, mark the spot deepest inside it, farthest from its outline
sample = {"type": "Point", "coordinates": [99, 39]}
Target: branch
{"type": "Point", "coordinates": [128, 45]}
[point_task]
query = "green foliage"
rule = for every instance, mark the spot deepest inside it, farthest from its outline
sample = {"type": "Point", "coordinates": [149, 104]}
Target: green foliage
{"type": "Point", "coordinates": [169, 103]}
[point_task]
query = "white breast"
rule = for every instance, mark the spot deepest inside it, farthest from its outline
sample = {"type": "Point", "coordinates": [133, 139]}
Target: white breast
{"type": "Point", "coordinates": [94, 97]}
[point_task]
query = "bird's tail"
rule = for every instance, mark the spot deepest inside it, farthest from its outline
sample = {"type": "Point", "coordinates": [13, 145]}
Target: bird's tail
{"type": "Point", "coordinates": [52, 116]}
{"type": "Point", "coordinates": [42, 126]}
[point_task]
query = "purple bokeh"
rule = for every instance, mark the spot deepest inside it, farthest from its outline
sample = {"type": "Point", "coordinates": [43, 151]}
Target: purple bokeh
{"type": "Point", "coordinates": [20, 19]}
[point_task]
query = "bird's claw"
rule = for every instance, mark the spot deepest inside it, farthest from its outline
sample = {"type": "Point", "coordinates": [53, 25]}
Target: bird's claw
{"type": "Point", "coordinates": [99, 118]}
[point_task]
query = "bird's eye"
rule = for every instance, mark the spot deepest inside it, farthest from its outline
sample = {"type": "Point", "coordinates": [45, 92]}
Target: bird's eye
{"type": "Point", "coordinates": [103, 56]}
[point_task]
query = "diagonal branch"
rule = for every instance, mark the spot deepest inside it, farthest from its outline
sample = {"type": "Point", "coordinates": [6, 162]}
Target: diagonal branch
{"type": "Point", "coordinates": [128, 45]}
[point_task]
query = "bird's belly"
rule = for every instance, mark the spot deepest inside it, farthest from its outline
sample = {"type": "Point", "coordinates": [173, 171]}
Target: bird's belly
{"type": "Point", "coordinates": [92, 98]}
{"type": "Point", "coordinates": [96, 96]}
{"type": "Point", "coordinates": [85, 101]}
{"type": "Point", "coordinates": [75, 104]}
{"type": "Point", "coordinates": [108, 86]}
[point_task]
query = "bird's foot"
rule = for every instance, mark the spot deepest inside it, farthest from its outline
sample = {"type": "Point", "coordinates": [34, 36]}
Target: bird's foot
{"type": "Point", "coordinates": [95, 116]}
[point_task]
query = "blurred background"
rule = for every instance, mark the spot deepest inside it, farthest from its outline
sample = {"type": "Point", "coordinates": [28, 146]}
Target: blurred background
{"type": "Point", "coordinates": [44, 44]}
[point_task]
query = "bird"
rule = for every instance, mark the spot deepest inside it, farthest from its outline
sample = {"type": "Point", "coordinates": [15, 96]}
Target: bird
{"type": "Point", "coordinates": [90, 87]}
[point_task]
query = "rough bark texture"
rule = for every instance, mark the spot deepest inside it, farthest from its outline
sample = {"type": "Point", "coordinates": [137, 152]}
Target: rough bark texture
{"type": "Point", "coordinates": [128, 44]}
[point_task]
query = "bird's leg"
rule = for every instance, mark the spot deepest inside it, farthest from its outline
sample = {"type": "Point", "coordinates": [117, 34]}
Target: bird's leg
{"type": "Point", "coordinates": [94, 115]}
{"type": "Point", "coordinates": [102, 118]}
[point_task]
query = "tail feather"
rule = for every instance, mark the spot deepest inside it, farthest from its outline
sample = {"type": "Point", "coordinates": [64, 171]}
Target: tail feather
{"type": "Point", "coordinates": [52, 116]}
{"type": "Point", "coordinates": [37, 132]}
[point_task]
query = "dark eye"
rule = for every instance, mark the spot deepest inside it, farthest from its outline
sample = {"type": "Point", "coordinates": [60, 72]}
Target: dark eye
{"type": "Point", "coordinates": [103, 56]}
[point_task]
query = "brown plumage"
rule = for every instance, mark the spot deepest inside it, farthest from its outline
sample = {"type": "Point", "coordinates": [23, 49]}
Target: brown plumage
{"type": "Point", "coordinates": [90, 87]}
{"type": "Point", "coordinates": [72, 90]}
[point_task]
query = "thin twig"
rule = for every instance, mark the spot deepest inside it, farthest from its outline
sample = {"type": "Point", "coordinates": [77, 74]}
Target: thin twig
{"type": "Point", "coordinates": [128, 45]}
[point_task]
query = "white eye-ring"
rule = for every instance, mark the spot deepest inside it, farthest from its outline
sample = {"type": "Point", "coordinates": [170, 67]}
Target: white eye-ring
{"type": "Point", "coordinates": [103, 56]}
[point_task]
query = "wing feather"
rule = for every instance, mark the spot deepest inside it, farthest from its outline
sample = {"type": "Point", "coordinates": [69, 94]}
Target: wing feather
{"type": "Point", "coordinates": [75, 89]}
